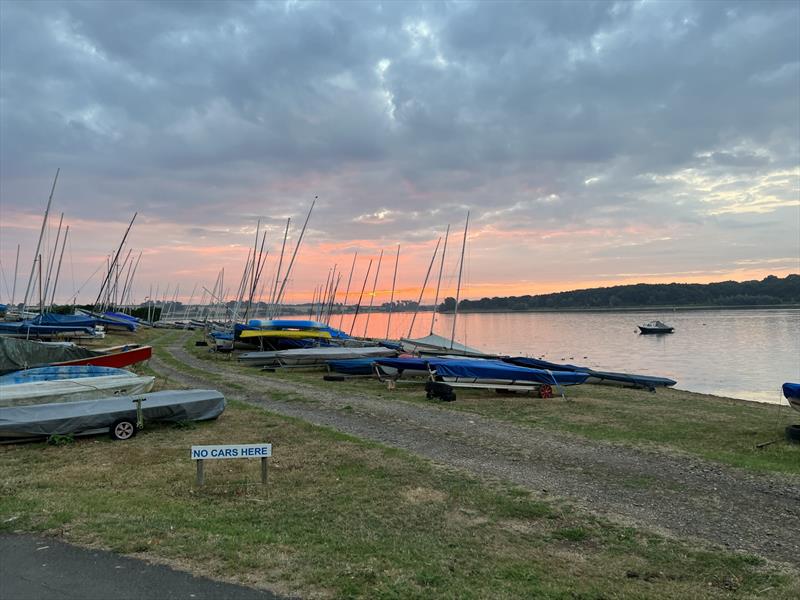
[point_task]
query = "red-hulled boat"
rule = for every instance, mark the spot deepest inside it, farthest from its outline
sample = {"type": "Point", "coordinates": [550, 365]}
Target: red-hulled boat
{"type": "Point", "coordinates": [118, 356]}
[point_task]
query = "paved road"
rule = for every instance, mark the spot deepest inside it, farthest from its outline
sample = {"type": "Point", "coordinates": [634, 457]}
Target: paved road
{"type": "Point", "coordinates": [35, 568]}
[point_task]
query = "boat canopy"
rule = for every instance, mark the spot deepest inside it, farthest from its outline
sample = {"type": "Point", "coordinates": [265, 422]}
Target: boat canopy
{"type": "Point", "coordinates": [16, 354]}
{"type": "Point", "coordinates": [498, 370]}
{"type": "Point", "coordinates": [647, 381]}
{"type": "Point", "coordinates": [440, 344]}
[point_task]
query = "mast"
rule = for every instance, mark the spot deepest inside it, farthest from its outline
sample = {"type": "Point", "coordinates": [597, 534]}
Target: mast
{"type": "Point", "coordinates": [424, 285]}
{"type": "Point", "coordinates": [439, 283]}
{"type": "Point", "coordinates": [391, 300]}
{"type": "Point", "coordinates": [280, 264]}
{"type": "Point", "coordinates": [372, 297]}
{"type": "Point", "coordinates": [16, 269]}
{"type": "Point", "coordinates": [39, 243]}
{"type": "Point", "coordinates": [347, 293]}
{"type": "Point", "coordinates": [358, 305]}
{"type": "Point", "coordinates": [458, 288]}
{"type": "Point", "coordinates": [114, 262]}
{"type": "Point", "coordinates": [294, 255]}
{"type": "Point", "coordinates": [51, 261]}
{"type": "Point", "coordinates": [58, 270]}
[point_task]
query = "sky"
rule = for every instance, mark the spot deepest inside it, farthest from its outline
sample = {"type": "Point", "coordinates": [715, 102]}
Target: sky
{"type": "Point", "coordinates": [593, 143]}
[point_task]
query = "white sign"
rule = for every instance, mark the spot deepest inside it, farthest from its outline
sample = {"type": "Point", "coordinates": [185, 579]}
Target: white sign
{"type": "Point", "coordinates": [232, 451]}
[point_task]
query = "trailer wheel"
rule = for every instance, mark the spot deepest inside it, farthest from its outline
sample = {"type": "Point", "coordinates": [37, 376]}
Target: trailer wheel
{"type": "Point", "coordinates": [123, 429]}
{"type": "Point", "coordinates": [793, 434]}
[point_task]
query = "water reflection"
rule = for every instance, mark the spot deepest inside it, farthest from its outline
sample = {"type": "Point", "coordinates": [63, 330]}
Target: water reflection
{"type": "Point", "coordinates": [744, 354]}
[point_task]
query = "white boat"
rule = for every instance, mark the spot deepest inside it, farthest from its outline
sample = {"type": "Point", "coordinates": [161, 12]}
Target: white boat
{"type": "Point", "coordinates": [74, 390]}
{"type": "Point", "coordinates": [436, 345]}
{"type": "Point", "coordinates": [312, 357]}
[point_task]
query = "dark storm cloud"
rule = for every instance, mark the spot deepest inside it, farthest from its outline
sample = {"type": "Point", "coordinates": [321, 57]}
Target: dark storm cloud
{"type": "Point", "coordinates": [397, 114]}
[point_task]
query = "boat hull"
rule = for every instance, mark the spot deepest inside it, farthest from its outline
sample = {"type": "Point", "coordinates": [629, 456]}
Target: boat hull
{"type": "Point", "coordinates": [119, 359]}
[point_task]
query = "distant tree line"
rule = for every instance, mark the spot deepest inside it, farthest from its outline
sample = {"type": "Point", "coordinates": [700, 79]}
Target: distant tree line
{"type": "Point", "coordinates": [770, 291]}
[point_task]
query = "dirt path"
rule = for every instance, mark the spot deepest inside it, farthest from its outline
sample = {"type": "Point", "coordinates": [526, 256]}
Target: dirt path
{"type": "Point", "coordinates": [681, 496]}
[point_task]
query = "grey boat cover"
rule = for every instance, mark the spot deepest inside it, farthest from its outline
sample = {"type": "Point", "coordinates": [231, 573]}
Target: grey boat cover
{"type": "Point", "coordinates": [436, 344]}
{"type": "Point", "coordinates": [17, 354]}
{"type": "Point", "coordinates": [312, 356]}
{"type": "Point", "coordinates": [90, 416]}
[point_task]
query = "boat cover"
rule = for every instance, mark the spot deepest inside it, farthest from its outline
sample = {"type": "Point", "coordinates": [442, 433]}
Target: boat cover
{"type": "Point", "coordinates": [74, 390]}
{"type": "Point", "coordinates": [96, 415]}
{"type": "Point", "coordinates": [437, 344]}
{"type": "Point", "coordinates": [293, 324]}
{"type": "Point", "coordinates": [16, 354]}
{"type": "Point", "coordinates": [59, 372]}
{"type": "Point", "coordinates": [647, 381]}
{"type": "Point", "coordinates": [88, 321]}
{"type": "Point", "coordinates": [403, 364]}
{"type": "Point", "coordinates": [498, 370]}
{"type": "Point", "coordinates": [352, 366]}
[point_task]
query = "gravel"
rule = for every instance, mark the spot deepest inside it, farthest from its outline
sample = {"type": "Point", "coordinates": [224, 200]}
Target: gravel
{"type": "Point", "coordinates": [676, 495]}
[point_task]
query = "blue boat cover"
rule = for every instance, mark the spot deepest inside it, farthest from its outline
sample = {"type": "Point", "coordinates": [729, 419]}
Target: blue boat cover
{"type": "Point", "coordinates": [495, 369]}
{"type": "Point", "coordinates": [290, 324]}
{"type": "Point", "coordinates": [647, 381]}
{"type": "Point", "coordinates": [59, 372]}
{"type": "Point", "coordinates": [115, 315]}
{"type": "Point", "coordinates": [79, 321]}
{"type": "Point", "coordinates": [401, 364]}
{"type": "Point", "coordinates": [791, 390]}
{"type": "Point", "coordinates": [352, 366]}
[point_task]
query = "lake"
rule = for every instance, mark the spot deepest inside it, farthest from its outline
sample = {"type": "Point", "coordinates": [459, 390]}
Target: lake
{"type": "Point", "coordinates": [743, 354]}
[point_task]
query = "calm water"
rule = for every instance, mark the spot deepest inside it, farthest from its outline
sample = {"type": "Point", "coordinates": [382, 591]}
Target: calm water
{"type": "Point", "coordinates": [744, 354]}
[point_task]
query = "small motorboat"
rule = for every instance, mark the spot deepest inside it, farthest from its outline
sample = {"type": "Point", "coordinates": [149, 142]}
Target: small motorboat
{"type": "Point", "coordinates": [656, 327]}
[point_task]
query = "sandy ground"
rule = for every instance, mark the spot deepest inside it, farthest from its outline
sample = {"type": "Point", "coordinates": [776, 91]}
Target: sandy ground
{"type": "Point", "coordinates": [677, 495]}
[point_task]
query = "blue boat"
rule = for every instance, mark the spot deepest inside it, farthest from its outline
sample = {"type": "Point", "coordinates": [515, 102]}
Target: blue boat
{"type": "Point", "coordinates": [492, 372]}
{"type": "Point", "coordinates": [352, 366]}
{"type": "Point", "coordinates": [603, 377]}
{"type": "Point", "coordinates": [59, 372]}
{"type": "Point", "coordinates": [792, 393]}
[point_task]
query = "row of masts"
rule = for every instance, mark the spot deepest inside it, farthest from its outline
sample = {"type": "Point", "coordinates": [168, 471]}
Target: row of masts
{"type": "Point", "coordinates": [46, 270]}
{"type": "Point", "coordinates": [117, 285]}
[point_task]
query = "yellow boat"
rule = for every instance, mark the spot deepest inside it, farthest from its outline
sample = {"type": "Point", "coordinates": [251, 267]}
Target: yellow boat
{"type": "Point", "coordinates": [291, 334]}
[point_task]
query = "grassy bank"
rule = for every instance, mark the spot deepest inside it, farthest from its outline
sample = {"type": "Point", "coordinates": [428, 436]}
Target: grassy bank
{"type": "Point", "coordinates": [345, 518]}
{"type": "Point", "coordinates": [721, 429]}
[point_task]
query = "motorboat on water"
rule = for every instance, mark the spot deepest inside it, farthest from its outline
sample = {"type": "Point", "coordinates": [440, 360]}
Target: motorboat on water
{"type": "Point", "coordinates": [655, 327]}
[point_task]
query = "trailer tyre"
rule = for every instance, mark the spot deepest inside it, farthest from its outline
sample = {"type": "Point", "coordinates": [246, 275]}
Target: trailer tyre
{"type": "Point", "coordinates": [793, 434]}
{"type": "Point", "coordinates": [123, 429]}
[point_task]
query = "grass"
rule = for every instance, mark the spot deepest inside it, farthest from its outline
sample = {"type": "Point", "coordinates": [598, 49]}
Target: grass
{"type": "Point", "coordinates": [347, 518]}
{"type": "Point", "coordinates": [724, 430]}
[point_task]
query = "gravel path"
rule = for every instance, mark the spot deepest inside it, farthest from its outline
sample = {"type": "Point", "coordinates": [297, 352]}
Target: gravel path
{"type": "Point", "coordinates": [681, 496]}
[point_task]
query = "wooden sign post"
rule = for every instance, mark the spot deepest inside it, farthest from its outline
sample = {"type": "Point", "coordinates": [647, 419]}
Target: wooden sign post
{"type": "Point", "coordinates": [202, 453]}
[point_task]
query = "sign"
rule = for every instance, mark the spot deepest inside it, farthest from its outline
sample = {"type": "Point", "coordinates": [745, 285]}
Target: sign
{"type": "Point", "coordinates": [231, 451]}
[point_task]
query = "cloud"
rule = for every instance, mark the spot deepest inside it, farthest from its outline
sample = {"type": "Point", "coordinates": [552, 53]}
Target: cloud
{"type": "Point", "coordinates": [542, 118]}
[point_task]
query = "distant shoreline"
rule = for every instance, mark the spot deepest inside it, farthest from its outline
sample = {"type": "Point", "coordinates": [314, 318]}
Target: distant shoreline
{"type": "Point", "coordinates": [627, 309]}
